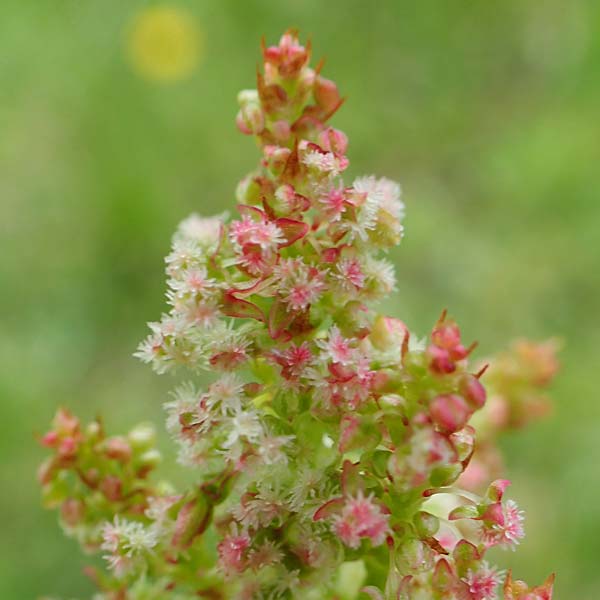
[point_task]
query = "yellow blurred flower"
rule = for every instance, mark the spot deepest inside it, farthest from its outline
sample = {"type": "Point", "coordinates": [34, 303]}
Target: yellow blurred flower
{"type": "Point", "coordinates": [164, 44]}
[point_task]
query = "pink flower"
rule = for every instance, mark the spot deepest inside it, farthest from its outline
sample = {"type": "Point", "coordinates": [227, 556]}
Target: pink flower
{"type": "Point", "coordinates": [350, 274]}
{"type": "Point", "coordinates": [232, 552]}
{"type": "Point", "coordinates": [502, 525]}
{"type": "Point", "coordinates": [337, 348]}
{"type": "Point", "coordinates": [293, 360]}
{"type": "Point", "coordinates": [300, 284]}
{"type": "Point", "coordinates": [333, 204]}
{"type": "Point", "coordinates": [361, 518]}
{"type": "Point", "coordinates": [483, 582]}
{"type": "Point", "coordinates": [262, 233]}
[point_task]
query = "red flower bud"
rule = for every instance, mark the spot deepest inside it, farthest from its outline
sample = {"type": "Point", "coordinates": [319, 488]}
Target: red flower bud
{"type": "Point", "coordinates": [111, 487]}
{"type": "Point", "coordinates": [473, 391]}
{"type": "Point", "coordinates": [326, 94]}
{"type": "Point", "coordinates": [450, 412]}
{"type": "Point", "coordinates": [117, 448]}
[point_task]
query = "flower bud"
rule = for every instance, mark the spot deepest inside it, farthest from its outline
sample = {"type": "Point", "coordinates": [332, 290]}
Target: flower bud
{"type": "Point", "coordinates": [450, 412]}
{"type": "Point", "coordinates": [67, 447]}
{"type": "Point", "coordinates": [246, 97]}
{"type": "Point", "coordinates": [250, 119]}
{"type": "Point", "coordinates": [472, 391]}
{"type": "Point", "coordinates": [150, 459]}
{"type": "Point", "coordinates": [387, 333]}
{"type": "Point", "coordinates": [93, 431]}
{"type": "Point", "coordinates": [333, 140]}
{"type": "Point", "coordinates": [446, 335]}
{"type": "Point", "coordinates": [65, 423]}
{"type": "Point", "coordinates": [50, 439]}
{"type": "Point", "coordinates": [281, 130]}
{"type": "Point", "coordinates": [72, 511]}
{"type": "Point", "coordinates": [142, 436]}
{"type": "Point", "coordinates": [326, 94]}
{"type": "Point", "coordinates": [118, 448]}
{"type": "Point", "coordinates": [111, 487]}
{"type": "Point", "coordinates": [276, 158]}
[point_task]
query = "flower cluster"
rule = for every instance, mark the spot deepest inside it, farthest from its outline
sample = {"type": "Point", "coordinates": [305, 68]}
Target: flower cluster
{"type": "Point", "coordinates": [329, 433]}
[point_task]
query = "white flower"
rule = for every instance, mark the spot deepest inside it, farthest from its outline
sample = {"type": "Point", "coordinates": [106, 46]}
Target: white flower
{"type": "Point", "coordinates": [244, 425]}
{"type": "Point", "coordinates": [125, 541]}
{"type": "Point", "coordinates": [227, 393]}
{"type": "Point", "coordinates": [380, 275]}
{"type": "Point", "coordinates": [138, 539]}
{"type": "Point", "coordinates": [185, 400]}
{"type": "Point", "coordinates": [270, 448]}
{"type": "Point", "coordinates": [203, 230]}
{"type": "Point", "coordinates": [185, 254]}
{"type": "Point", "coordinates": [390, 197]}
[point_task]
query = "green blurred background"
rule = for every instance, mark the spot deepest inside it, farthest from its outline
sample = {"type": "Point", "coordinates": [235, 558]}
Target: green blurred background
{"type": "Point", "coordinates": [487, 112]}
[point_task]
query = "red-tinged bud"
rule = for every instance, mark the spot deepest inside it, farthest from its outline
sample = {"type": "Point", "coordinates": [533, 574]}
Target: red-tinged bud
{"type": "Point", "coordinates": [450, 412]}
{"type": "Point", "coordinates": [72, 511]}
{"type": "Point", "coordinates": [288, 57]}
{"type": "Point", "coordinates": [92, 477]}
{"type": "Point", "coordinates": [272, 54]}
{"type": "Point", "coordinates": [253, 389]}
{"type": "Point", "coordinates": [326, 94]}
{"type": "Point", "coordinates": [333, 140]}
{"type": "Point", "coordinates": [65, 423]}
{"type": "Point", "coordinates": [250, 119]}
{"type": "Point", "coordinates": [117, 448]}
{"type": "Point", "coordinates": [275, 158]}
{"type": "Point", "coordinates": [387, 333]}
{"type": "Point", "coordinates": [50, 439]}
{"type": "Point", "coordinates": [473, 391]}
{"type": "Point", "coordinates": [441, 362]}
{"type": "Point", "coordinates": [111, 487]}
{"type": "Point", "coordinates": [281, 130]}
{"type": "Point", "coordinates": [67, 447]}
{"type": "Point", "coordinates": [446, 335]}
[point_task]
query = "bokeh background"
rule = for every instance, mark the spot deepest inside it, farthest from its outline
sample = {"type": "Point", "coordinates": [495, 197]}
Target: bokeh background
{"type": "Point", "coordinates": [116, 121]}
